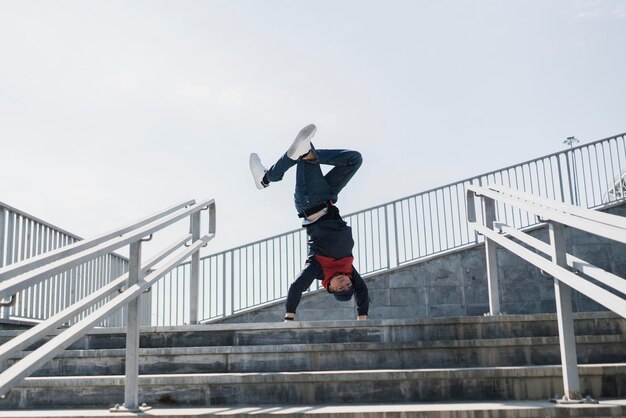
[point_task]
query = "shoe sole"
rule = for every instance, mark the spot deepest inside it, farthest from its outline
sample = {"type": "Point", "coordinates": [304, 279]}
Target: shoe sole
{"type": "Point", "coordinates": [302, 143]}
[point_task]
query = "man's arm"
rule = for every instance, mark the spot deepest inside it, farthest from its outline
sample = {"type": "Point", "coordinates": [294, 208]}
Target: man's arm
{"type": "Point", "coordinates": [311, 271]}
{"type": "Point", "coordinates": [361, 294]}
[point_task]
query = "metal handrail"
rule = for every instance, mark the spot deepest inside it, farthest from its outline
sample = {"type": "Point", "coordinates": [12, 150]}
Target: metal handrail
{"type": "Point", "coordinates": [578, 265]}
{"type": "Point", "coordinates": [425, 192]}
{"type": "Point", "coordinates": [41, 243]}
{"type": "Point", "coordinates": [592, 215]}
{"type": "Point", "coordinates": [559, 265]}
{"type": "Point", "coordinates": [29, 336]}
{"type": "Point", "coordinates": [393, 234]}
{"type": "Point", "coordinates": [614, 231]}
{"type": "Point", "coordinates": [51, 256]}
{"type": "Point", "coordinates": [96, 248]}
{"type": "Point", "coordinates": [134, 281]}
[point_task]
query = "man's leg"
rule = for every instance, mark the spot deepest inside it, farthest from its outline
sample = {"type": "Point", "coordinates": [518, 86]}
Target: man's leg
{"type": "Point", "coordinates": [300, 146]}
{"type": "Point", "coordinates": [311, 271]}
{"type": "Point", "coordinates": [312, 187]}
{"type": "Point", "coordinates": [278, 170]}
{"type": "Point", "coordinates": [345, 162]}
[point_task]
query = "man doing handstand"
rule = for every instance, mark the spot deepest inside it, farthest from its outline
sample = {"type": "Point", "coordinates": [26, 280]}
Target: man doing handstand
{"type": "Point", "coordinates": [330, 238]}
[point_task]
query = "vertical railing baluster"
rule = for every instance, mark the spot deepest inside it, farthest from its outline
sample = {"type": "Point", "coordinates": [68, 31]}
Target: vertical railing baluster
{"type": "Point", "coordinates": [178, 295]}
{"type": "Point", "coordinates": [4, 311]}
{"type": "Point", "coordinates": [432, 230]}
{"type": "Point", "coordinates": [595, 148]}
{"type": "Point", "coordinates": [408, 210]}
{"type": "Point", "coordinates": [387, 238]}
{"type": "Point", "coordinates": [606, 174]}
{"type": "Point", "coordinates": [584, 178]}
{"type": "Point", "coordinates": [232, 282]}
{"type": "Point", "coordinates": [561, 189]}
{"type": "Point", "coordinates": [3, 216]}
{"type": "Point", "coordinates": [10, 238]}
{"type": "Point", "coordinates": [445, 219]}
{"type": "Point", "coordinates": [395, 232]}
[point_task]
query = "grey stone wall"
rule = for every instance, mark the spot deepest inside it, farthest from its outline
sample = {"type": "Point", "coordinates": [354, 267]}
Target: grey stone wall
{"type": "Point", "coordinates": [455, 284]}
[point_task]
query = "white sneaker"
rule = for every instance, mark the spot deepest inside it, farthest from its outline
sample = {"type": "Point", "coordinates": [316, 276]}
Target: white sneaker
{"type": "Point", "coordinates": [302, 144]}
{"type": "Point", "coordinates": [258, 171]}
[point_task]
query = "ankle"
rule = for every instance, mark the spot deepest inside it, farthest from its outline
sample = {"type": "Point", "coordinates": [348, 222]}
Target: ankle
{"type": "Point", "coordinates": [309, 156]}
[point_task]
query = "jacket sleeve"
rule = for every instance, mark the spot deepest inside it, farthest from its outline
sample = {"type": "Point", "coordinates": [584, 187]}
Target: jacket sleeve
{"type": "Point", "coordinates": [361, 294]}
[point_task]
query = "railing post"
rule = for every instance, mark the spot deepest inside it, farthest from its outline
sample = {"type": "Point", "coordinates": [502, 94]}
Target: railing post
{"type": "Point", "coordinates": [565, 317]}
{"type": "Point", "coordinates": [491, 252]}
{"type": "Point", "coordinates": [194, 283]}
{"type": "Point", "coordinates": [558, 165]}
{"type": "Point", "coordinates": [387, 232]}
{"type": "Point", "coordinates": [572, 189]}
{"type": "Point", "coordinates": [223, 284]}
{"type": "Point", "coordinates": [131, 389]}
{"type": "Point", "coordinates": [2, 233]}
{"type": "Point", "coordinates": [4, 312]}
{"type": "Point", "coordinates": [395, 232]}
{"type": "Point", "coordinates": [232, 282]}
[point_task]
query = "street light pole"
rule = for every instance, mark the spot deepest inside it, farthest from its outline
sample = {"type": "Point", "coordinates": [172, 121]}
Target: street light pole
{"type": "Point", "coordinates": [571, 140]}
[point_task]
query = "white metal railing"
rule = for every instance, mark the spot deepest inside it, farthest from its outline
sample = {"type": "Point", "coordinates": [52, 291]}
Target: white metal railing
{"type": "Point", "coordinates": [123, 291]}
{"type": "Point", "coordinates": [392, 234]}
{"type": "Point", "coordinates": [386, 236]}
{"type": "Point", "coordinates": [22, 237]}
{"type": "Point", "coordinates": [569, 272]}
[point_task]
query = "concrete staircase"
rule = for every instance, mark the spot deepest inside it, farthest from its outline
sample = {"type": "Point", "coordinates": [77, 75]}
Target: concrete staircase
{"type": "Point", "coordinates": [505, 358]}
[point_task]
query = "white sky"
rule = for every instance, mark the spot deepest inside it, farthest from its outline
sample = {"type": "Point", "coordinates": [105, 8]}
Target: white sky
{"type": "Point", "coordinates": [112, 110]}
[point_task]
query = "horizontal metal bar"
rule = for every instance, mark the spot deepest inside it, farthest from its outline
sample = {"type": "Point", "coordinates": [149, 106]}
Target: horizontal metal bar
{"type": "Point", "coordinates": [601, 275]}
{"type": "Point", "coordinates": [169, 250]}
{"type": "Point", "coordinates": [576, 263]}
{"type": "Point", "coordinates": [592, 215]}
{"type": "Point", "coordinates": [52, 256]}
{"type": "Point", "coordinates": [593, 291]}
{"type": "Point", "coordinates": [18, 371]}
{"type": "Point", "coordinates": [25, 280]}
{"type": "Point", "coordinates": [601, 229]}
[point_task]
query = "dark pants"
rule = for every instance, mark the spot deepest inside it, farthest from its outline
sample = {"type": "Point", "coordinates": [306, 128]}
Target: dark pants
{"type": "Point", "coordinates": [313, 270]}
{"type": "Point", "coordinates": [313, 188]}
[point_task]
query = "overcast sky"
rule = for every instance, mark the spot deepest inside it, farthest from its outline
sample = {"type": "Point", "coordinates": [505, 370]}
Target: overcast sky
{"type": "Point", "coordinates": [111, 110]}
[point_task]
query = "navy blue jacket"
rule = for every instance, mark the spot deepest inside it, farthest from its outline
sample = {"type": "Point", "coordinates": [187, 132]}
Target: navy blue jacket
{"type": "Point", "coordinates": [330, 236]}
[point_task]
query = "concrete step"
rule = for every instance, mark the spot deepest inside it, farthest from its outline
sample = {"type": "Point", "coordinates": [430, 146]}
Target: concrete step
{"type": "Point", "coordinates": [353, 356]}
{"type": "Point", "coordinates": [316, 388]}
{"type": "Point", "coordinates": [372, 331]}
{"type": "Point", "coordinates": [612, 408]}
